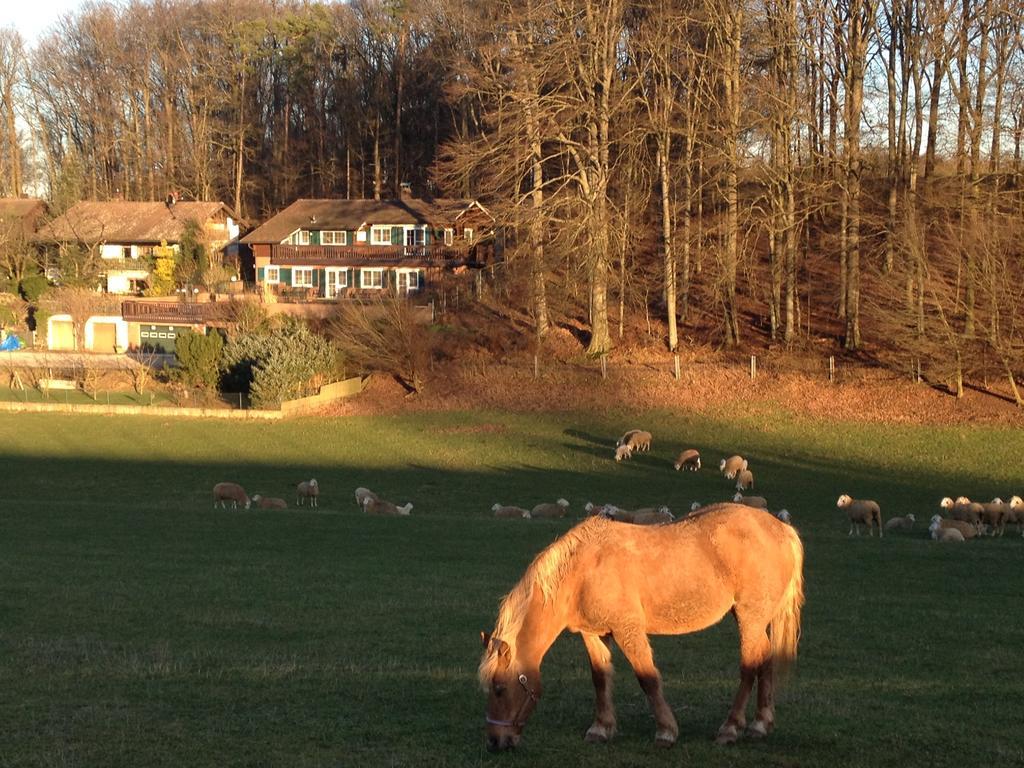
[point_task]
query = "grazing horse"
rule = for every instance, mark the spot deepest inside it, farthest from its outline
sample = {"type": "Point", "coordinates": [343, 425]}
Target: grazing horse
{"type": "Point", "coordinates": [609, 581]}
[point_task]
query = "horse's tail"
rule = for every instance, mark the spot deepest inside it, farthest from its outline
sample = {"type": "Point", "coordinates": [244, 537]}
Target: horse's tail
{"type": "Point", "coordinates": [786, 622]}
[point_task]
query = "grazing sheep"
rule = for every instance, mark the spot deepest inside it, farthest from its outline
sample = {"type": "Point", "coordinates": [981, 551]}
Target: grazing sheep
{"type": "Point", "coordinates": [994, 514]}
{"type": "Point", "coordinates": [384, 507]}
{"type": "Point", "coordinates": [945, 534]}
{"type": "Point", "coordinates": [758, 502]}
{"type": "Point", "coordinates": [1015, 513]}
{"type": "Point", "coordinates": [623, 452]}
{"type": "Point", "coordinates": [962, 509]}
{"type": "Point", "coordinates": [364, 493]}
{"type": "Point", "coordinates": [307, 490]}
{"type": "Point", "coordinates": [639, 441]}
{"type": "Point", "coordinates": [744, 480]}
{"type": "Point", "coordinates": [861, 511]}
{"type": "Point", "coordinates": [268, 503]}
{"type": "Point", "coordinates": [690, 458]}
{"type": "Point", "coordinates": [558, 509]}
{"type": "Point", "coordinates": [646, 516]}
{"type": "Point", "coordinates": [625, 438]}
{"type": "Point", "coordinates": [784, 516]}
{"type": "Point", "coordinates": [500, 511]}
{"type": "Point", "coordinates": [903, 523]}
{"type": "Point", "coordinates": [233, 492]}
{"type": "Point", "coordinates": [967, 530]}
{"type": "Point", "coordinates": [729, 467]}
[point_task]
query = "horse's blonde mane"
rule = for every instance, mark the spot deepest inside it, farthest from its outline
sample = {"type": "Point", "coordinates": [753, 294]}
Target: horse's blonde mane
{"type": "Point", "coordinates": [547, 572]}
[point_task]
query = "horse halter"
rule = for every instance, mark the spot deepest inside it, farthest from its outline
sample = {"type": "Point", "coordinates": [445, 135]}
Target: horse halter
{"type": "Point", "coordinates": [517, 722]}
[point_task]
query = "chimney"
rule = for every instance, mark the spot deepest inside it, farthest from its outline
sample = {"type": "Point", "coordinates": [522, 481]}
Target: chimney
{"type": "Point", "coordinates": [405, 190]}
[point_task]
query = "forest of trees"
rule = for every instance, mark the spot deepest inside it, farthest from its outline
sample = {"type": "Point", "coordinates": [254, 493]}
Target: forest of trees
{"type": "Point", "coordinates": [791, 168]}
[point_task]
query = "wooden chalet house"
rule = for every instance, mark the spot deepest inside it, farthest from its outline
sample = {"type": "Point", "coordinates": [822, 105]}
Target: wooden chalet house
{"type": "Point", "coordinates": [332, 249]}
{"type": "Point", "coordinates": [124, 235]}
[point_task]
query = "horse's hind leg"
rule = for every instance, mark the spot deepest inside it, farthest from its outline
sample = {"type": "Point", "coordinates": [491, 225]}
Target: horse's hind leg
{"type": "Point", "coordinates": [637, 649]}
{"type": "Point", "coordinates": [601, 672]}
{"type": "Point", "coordinates": [765, 721]}
{"type": "Point", "coordinates": [755, 654]}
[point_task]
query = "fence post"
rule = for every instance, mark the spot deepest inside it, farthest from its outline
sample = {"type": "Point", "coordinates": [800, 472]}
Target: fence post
{"type": "Point", "coordinates": [604, 367]}
{"type": "Point", "coordinates": [676, 356]}
{"type": "Point", "coordinates": [536, 366]}
{"type": "Point", "coordinates": [831, 369]}
{"type": "Point", "coordinates": [753, 367]}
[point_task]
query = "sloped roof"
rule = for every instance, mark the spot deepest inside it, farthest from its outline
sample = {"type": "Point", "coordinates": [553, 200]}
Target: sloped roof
{"type": "Point", "coordinates": [351, 214]}
{"type": "Point", "coordinates": [120, 221]}
{"type": "Point", "coordinates": [21, 212]}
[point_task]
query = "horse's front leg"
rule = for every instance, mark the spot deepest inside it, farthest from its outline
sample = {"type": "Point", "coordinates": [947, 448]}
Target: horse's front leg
{"type": "Point", "coordinates": [637, 649]}
{"type": "Point", "coordinates": [601, 671]}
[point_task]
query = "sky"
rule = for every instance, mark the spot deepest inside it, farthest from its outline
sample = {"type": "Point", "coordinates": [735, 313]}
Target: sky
{"type": "Point", "coordinates": [33, 17]}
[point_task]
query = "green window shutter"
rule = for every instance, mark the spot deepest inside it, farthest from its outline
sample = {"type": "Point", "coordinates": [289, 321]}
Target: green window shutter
{"type": "Point", "coordinates": [385, 279]}
{"type": "Point", "coordinates": [396, 236]}
{"type": "Point", "coordinates": [286, 275]}
{"type": "Point", "coordinates": [427, 236]}
{"type": "Point", "coordinates": [319, 277]}
{"type": "Point", "coordinates": [259, 275]}
{"type": "Point", "coordinates": [314, 237]}
{"type": "Point", "coordinates": [351, 238]}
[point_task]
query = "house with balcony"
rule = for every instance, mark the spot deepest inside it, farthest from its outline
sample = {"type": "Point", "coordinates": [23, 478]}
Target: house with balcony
{"type": "Point", "coordinates": [124, 235]}
{"type": "Point", "coordinates": [329, 249]}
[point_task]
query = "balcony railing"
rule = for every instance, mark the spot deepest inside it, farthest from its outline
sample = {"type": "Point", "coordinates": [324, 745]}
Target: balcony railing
{"type": "Point", "coordinates": [185, 313]}
{"type": "Point", "coordinates": [429, 255]}
{"type": "Point", "coordinates": [138, 265]}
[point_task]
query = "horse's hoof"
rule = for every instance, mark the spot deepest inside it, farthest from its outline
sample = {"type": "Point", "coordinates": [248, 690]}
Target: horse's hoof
{"type": "Point", "coordinates": [664, 739]}
{"type": "Point", "coordinates": [598, 734]}
{"type": "Point", "coordinates": [758, 729]}
{"type": "Point", "coordinates": [727, 734]}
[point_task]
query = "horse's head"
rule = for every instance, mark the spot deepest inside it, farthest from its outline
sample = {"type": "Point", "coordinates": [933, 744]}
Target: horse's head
{"type": "Point", "coordinates": [512, 693]}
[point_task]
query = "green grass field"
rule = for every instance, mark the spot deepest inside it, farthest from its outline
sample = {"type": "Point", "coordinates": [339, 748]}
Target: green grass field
{"type": "Point", "coordinates": [139, 627]}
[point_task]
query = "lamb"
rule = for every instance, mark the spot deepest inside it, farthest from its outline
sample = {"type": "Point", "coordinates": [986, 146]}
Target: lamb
{"type": "Point", "coordinates": [623, 452]}
{"type": "Point", "coordinates": [994, 514]}
{"type": "Point", "coordinates": [307, 490]}
{"type": "Point", "coordinates": [903, 523]}
{"type": "Point", "coordinates": [783, 515]}
{"type": "Point", "coordinates": [861, 511]}
{"type": "Point", "coordinates": [558, 509]}
{"type": "Point", "coordinates": [967, 530]}
{"type": "Point", "coordinates": [263, 502]}
{"type": "Point", "coordinates": [384, 507]}
{"type": "Point", "coordinates": [233, 492]}
{"type": "Point", "coordinates": [758, 502]}
{"type": "Point", "coordinates": [647, 516]}
{"type": "Point", "coordinates": [729, 467]}
{"type": "Point", "coordinates": [500, 511]}
{"type": "Point", "coordinates": [945, 534]}
{"type": "Point", "coordinates": [690, 458]}
{"type": "Point", "coordinates": [744, 479]}
{"type": "Point", "coordinates": [364, 493]}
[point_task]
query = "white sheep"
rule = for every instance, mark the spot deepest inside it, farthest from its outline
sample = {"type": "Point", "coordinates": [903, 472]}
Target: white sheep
{"type": "Point", "coordinates": [729, 467]}
{"type": "Point", "coordinates": [962, 509]}
{"type": "Point", "coordinates": [645, 516]}
{"type": "Point", "coordinates": [903, 523]}
{"type": "Point", "coordinates": [623, 452]}
{"type": "Point", "coordinates": [638, 440]}
{"type": "Point", "coordinates": [625, 438]}
{"type": "Point", "coordinates": [690, 459]}
{"type": "Point", "coordinates": [263, 502]}
{"type": "Point", "coordinates": [384, 507]}
{"type": "Point", "coordinates": [744, 480]}
{"type": "Point", "coordinates": [307, 490]}
{"type": "Point", "coordinates": [944, 534]}
{"type": "Point", "coordinates": [695, 507]}
{"type": "Point", "coordinates": [994, 514]}
{"type": "Point", "coordinates": [861, 511]}
{"type": "Point", "coordinates": [233, 492]}
{"type": "Point", "coordinates": [967, 530]}
{"type": "Point", "coordinates": [503, 511]}
{"type": "Point", "coordinates": [558, 509]}
{"type": "Point", "coordinates": [784, 516]}
{"type": "Point", "coordinates": [364, 493]}
{"type": "Point", "coordinates": [600, 510]}
{"type": "Point", "coordinates": [1015, 513]}
{"type": "Point", "coordinates": [758, 502]}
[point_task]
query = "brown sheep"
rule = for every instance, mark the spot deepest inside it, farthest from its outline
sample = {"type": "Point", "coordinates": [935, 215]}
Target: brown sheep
{"type": "Point", "coordinates": [690, 459]}
{"type": "Point", "coordinates": [861, 511]}
{"type": "Point", "coordinates": [263, 502]}
{"type": "Point", "coordinates": [233, 492]}
{"type": "Point", "coordinates": [967, 530]}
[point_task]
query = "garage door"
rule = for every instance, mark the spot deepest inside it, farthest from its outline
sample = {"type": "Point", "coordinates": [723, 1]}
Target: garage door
{"type": "Point", "coordinates": [62, 335]}
{"type": "Point", "coordinates": [104, 337]}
